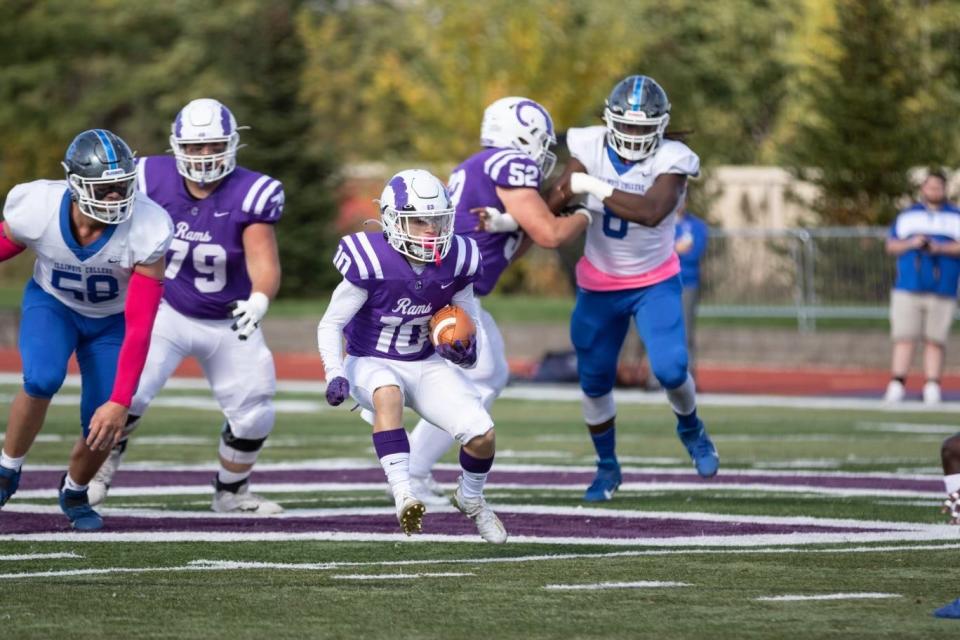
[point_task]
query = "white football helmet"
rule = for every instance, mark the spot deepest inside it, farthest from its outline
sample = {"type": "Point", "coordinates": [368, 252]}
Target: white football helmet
{"type": "Point", "coordinates": [205, 120]}
{"type": "Point", "coordinates": [522, 124]}
{"type": "Point", "coordinates": [417, 215]}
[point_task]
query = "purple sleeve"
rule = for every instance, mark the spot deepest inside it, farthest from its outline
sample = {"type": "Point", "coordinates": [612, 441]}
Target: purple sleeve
{"type": "Point", "coordinates": [263, 201]}
{"type": "Point", "coordinates": [515, 170]}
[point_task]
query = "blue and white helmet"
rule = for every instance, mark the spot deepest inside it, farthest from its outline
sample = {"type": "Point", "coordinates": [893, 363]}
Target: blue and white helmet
{"type": "Point", "coordinates": [637, 113]}
{"type": "Point", "coordinates": [205, 120]}
{"type": "Point", "coordinates": [102, 175]}
{"type": "Point", "coordinates": [414, 201]}
{"type": "Point", "coordinates": [522, 124]}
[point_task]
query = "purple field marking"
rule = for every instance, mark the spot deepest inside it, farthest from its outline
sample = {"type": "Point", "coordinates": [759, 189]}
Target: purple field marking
{"type": "Point", "coordinates": [127, 478]}
{"type": "Point", "coordinates": [518, 524]}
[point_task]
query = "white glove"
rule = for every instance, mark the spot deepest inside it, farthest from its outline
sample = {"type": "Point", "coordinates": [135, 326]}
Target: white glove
{"type": "Point", "coordinates": [585, 183]}
{"type": "Point", "coordinates": [249, 313]}
{"type": "Point", "coordinates": [495, 221]}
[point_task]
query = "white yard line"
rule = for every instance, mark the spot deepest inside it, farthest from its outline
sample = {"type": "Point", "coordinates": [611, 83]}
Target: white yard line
{"type": "Point", "coordinates": [908, 427]}
{"type": "Point", "coordinates": [399, 576]}
{"type": "Point", "coordinates": [828, 596]}
{"type": "Point", "coordinates": [644, 584]}
{"type": "Point", "coordinates": [39, 556]}
{"type": "Point", "coordinates": [226, 565]}
{"type": "Point", "coordinates": [568, 393]}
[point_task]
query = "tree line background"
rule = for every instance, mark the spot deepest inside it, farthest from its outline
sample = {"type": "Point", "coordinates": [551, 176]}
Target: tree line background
{"type": "Point", "coordinates": [849, 94]}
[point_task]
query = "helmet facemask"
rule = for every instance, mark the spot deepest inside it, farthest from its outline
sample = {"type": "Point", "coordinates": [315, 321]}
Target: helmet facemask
{"type": "Point", "coordinates": [206, 168]}
{"type": "Point", "coordinates": [633, 135]}
{"type": "Point", "coordinates": [108, 199]}
{"type": "Point", "coordinates": [422, 235]}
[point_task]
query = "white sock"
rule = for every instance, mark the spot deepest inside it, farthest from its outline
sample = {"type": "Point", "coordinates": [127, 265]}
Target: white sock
{"type": "Point", "coordinates": [952, 482]}
{"type": "Point", "coordinates": [471, 484]}
{"type": "Point", "coordinates": [73, 485]}
{"type": "Point", "coordinates": [397, 468]}
{"type": "Point", "coordinates": [230, 477]}
{"type": "Point", "coordinates": [427, 445]}
{"type": "Point", "coordinates": [8, 462]}
{"type": "Point", "coordinates": [683, 399]}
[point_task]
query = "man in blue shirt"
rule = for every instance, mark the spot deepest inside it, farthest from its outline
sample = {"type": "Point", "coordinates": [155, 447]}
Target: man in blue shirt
{"type": "Point", "coordinates": [691, 245]}
{"type": "Point", "coordinates": [925, 238]}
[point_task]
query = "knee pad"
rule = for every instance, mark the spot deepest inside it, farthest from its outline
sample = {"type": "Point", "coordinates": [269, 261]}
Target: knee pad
{"type": "Point", "coordinates": [598, 410]}
{"type": "Point", "coordinates": [241, 450]}
{"type": "Point", "coordinates": [44, 384]}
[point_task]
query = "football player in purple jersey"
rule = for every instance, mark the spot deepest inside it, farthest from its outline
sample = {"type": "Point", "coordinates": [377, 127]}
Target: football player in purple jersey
{"type": "Point", "coordinates": [222, 271]}
{"type": "Point", "coordinates": [505, 176]}
{"type": "Point", "coordinates": [950, 457]}
{"type": "Point", "coordinates": [393, 283]}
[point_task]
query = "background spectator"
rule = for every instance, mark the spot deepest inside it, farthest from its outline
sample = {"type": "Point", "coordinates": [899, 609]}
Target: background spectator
{"type": "Point", "coordinates": [924, 237]}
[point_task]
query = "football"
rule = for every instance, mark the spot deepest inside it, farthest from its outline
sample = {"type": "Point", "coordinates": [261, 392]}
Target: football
{"type": "Point", "coordinates": [451, 323]}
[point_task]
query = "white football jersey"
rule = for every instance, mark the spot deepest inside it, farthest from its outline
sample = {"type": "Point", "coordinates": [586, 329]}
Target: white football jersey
{"type": "Point", "coordinates": [90, 280]}
{"type": "Point", "coordinates": [614, 245]}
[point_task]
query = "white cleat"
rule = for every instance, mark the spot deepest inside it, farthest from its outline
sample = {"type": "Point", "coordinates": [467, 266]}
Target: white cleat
{"type": "Point", "coordinates": [410, 512]}
{"type": "Point", "coordinates": [100, 485]}
{"type": "Point", "coordinates": [428, 491]}
{"type": "Point", "coordinates": [895, 392]}
{"type": "Point", "coordinates": [931, 393]}
{"type": "Point", "coordinates": [488, 524]}
{"type": "Point", "coordinates": [244, 502]}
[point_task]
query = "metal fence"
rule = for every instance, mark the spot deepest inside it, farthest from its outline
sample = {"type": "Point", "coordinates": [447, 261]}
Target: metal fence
{"type": "Point", "coordinates": [807, 274]}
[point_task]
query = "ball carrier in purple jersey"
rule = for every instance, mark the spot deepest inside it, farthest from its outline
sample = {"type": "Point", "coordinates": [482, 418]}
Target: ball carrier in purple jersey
{"type": "Point", "coordinates": [223, 270]}
{"type": "Point", "coordinates": [505, 176]}
{"type": "Point", "coordinates": [393, 282]}
{"type": "Point", "coordinates": [634, 182]}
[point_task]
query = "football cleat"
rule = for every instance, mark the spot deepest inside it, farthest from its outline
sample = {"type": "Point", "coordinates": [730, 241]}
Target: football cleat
{"type": "Point", "coordinates": [951, 610]}
{"type": "Point", "coordinates": [951, 507]}
{"type": "Point", "coordinates": [428, 491]}
{"type": "Point", "coordinates": [100, 485]}
{"type": "Point", "coordinates": [605, 483]}
{"type": "Point", "coordinates": [701, 449]}
{"type": "Point", "coordinates": [76, 506]}
{"type": "Point", "coordinates": [931, 393]}
{"type": "Point", "coordinates": [410, 512]}
{"type": "Point", "coordinates": [488, 524]}
{"type": "Point", "coordinates": [895, 392]}
{"type": "Point", "coordinates": [243, 501]}
{"type": "Point", "coordinates": [9, 481]}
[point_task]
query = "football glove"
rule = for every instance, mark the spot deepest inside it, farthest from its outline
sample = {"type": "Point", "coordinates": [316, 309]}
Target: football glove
{"type": "Point", "coordinates": [951, 507]}
{"type": "Point", "coordinates": [248, 314]}
{"type": "Point", "coordinates": [495, 221]}
{"type": "Point", "coordinates": [458, 353]}
{"type": "Point", "coordinates": [337, 391]}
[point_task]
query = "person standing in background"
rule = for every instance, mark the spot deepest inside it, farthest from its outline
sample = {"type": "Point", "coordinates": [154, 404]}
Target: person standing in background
{"type": "Point", "coordinates": [925, 238]}
{"type": "Point", "coordinates": [691, 245]}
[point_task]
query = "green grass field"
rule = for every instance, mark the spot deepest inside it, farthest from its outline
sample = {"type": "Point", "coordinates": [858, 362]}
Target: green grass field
{"type": "Point", "coordinates": [348, 586]}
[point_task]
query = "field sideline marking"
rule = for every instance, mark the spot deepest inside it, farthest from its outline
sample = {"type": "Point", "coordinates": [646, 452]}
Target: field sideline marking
{"type": "Point", "coordinates": [828, 596]}
{"type": "Point", "coordinates": [332, 512]}
{"type": "Point", "coordinates": [399, 576]}
{"type": "Point", "coordinates": [227, 565]}
{"type": "Point", "coordinates": [643, 584]}
{"type": "Point", "coordinates": [551, 393]}
{"type": "Point", "coordinates": [40, 556]}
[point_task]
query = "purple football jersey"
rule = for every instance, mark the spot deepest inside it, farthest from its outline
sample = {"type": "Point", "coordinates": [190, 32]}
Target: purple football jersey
{"type": "Point", "coordinates": [393, 322]}
{"type": "Point", "coordinates": [474, 184]}
{"type": "Point", "coordinates": [206, 266]}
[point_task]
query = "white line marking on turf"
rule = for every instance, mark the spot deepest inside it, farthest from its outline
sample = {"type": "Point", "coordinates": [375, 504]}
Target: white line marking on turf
{"type": "Point", "coordinates": [908, 427]}
{"type": "Point", "coordinates": [645, 584]}
{"type": "Point", "coordinates": [225, 565]}
{"type": "Point", "coordinates": [40, 556]}
{"type": "Point", "coordinates": [829, 596]}
{"type": "Point", "coordinates": [556, 393]}
{"type": "Point", "coordinates": [398, 576]}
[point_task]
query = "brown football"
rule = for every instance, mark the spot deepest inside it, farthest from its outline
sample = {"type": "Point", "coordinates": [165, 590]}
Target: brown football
{"type": "Point", "coordinates": [451, 323]}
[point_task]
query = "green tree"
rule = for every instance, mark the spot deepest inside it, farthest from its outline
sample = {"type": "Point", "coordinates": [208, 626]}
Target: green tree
{"type": "Point", "coordinates": [858, 139]}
